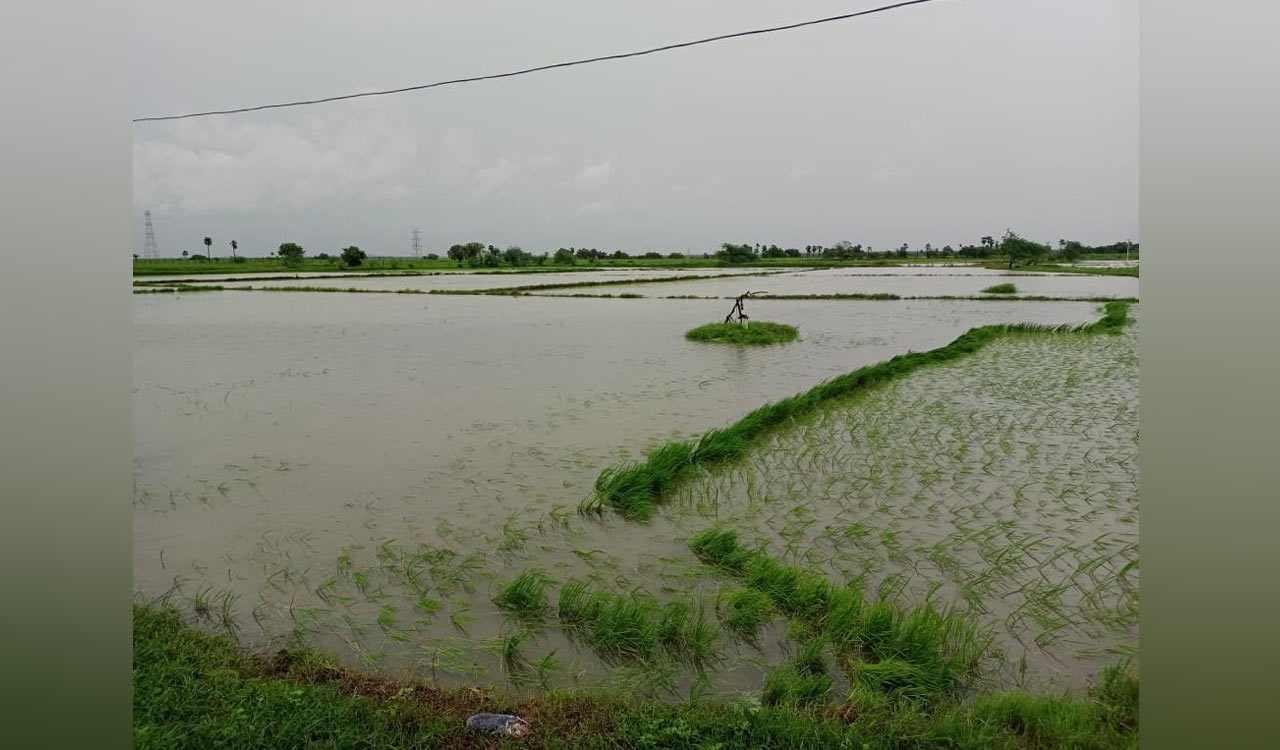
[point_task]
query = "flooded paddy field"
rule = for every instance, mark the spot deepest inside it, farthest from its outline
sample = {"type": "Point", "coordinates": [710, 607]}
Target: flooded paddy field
{"type": "Point", "coordinates": [368, 473]}
{"type": "Point", "coordinates": [905, 282]}
{"type": "Point", "coordinates": [457, 280]}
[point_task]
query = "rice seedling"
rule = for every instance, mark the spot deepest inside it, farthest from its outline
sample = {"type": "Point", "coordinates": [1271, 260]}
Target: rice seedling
{"type": "Point", "coordinates": [945, 647]}
{"type": "Point", "coordinates": [788, 687]}
{"type": "Point", "coordinates": [525, 596]}
{"type": "Point", "coordinates": [1005, 288]}
{"type": "Point", "coordinates": [614, 626]}
{"type": "Point", "coordinates": [745, 611]}
{"type": "Point", "coordinates": [634, 489]}
{"type": "Point", "coordinates": [754, 333]}
{"type": "Point", "coordinates": [461, 616]}
{"type": "Point", "coordinates": [429, 605]}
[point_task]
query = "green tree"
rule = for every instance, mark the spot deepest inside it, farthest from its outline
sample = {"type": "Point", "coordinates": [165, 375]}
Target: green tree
{"type": "Point", "coordinates": [732, 253]}
{"type": "Point", "coordinates": [234, 246]}
{"type": "Point", "coordinates": [564, 257]}
{"type": "Point", "coordinates": [291, 253]}
{"type": "Point", "coordinates": [353, 256]}
{"type": "Point", "coordinates": [208, 244]}
{"type": "Point", "coordinates": [465, 253]}
{"type": "Point", "coordinates": [1021, 250]}
{"type": "Point", "coordinates": [514, 256]}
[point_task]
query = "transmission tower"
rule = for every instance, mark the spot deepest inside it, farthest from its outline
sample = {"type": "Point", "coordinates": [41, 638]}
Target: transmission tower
{"type": "Point", "coordinates": [149, 249]}
{"type": "Point", "coordinates": [417, 242]}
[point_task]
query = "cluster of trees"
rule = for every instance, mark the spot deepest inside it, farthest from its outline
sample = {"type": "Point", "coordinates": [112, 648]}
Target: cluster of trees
{"type": "Point", "coordinates": [571, 255]}
{"type": "Point", "coordinates": [1018, 250]}
{"type": "Point", "coordinates": [480, 255]}
{"type": "Point", "coordinates": [292, 254]}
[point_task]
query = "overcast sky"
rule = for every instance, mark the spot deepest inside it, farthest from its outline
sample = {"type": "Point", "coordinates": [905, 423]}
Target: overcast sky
{"type": "Point", "coordinates": [938, 123]}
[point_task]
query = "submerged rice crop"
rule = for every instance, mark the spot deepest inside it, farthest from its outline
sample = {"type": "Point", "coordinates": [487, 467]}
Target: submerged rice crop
{"type": "Point", "coordinates": [525, 596]}
{"type": "Point", "coordinates": [634, 489]}
{"type": "Point", "coordinates": [919, 651]}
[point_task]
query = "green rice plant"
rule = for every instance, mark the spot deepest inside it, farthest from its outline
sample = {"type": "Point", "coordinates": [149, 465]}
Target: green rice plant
{"type": "Point", "coordinates": [752, 333]}
{"type": "Point", "coordinates": [634, 489]}
{"type": "Point", "coordinates": [614, 626]}
{"type": "Point", "coordinates": [787, 687]}
{"type": "Point", "coordinates": [809, 661]}
{"type": "Point", "coordinates": [387, 616]}
{"type": "Point", "coordinates": [508, 649]}
{"type": "Point", "coordinates": [525, 596]}
{"type": "Point", "coordinates": [1005, 288]}
{"type": "Point", "coordinates": [545, 667]}
{"type": "Point", "coordinates": [428, 604]}
{"type": "Point", "coordinates": [745, 610]}
{"type": "Point", "coordinates": [461, 616]}
{"type": "Point", "coordinates": [940, 645]}
{"type": "Point", "coordinates": [687, 633]}
{"type": "Point", "coordinates": [630, 488]}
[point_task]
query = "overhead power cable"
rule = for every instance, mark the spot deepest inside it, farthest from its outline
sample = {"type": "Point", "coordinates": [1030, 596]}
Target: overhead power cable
{"type": "Point", "coordinates": [571, 63]}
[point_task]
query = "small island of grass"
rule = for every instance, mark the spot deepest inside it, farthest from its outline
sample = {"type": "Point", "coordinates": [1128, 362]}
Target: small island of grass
{"type": "Point", "coordinates": [1000, 289]}
{"type": "Point", "coordinates": [752, 333]}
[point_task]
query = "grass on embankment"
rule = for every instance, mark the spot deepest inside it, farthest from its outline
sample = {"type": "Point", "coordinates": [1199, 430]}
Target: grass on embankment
{"type": "Point", "coordinates": [193, 690]}
{"type": "Point", "coordinates": [1055, 268]}
{"type": "Point", "coordinates": [1001, 289]}
{"type": "Point", "coordinates": [757, 333]}
{"type": "Point", "coordinates": [635, 488]}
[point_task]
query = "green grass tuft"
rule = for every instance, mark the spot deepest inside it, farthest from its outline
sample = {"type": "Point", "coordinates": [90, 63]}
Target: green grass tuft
{"type": "Point", "coordinates": [525, 596]}
{"type": "Point", "coordinates": [751, 333]}
{"type": "Point", "coordinates": [1001, 289]}
{"type": "Point", "coordinates": [745, 610]}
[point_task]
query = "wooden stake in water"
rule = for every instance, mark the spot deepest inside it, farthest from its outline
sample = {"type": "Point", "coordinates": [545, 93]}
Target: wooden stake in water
{"type": "Point", "coordinates": [739, 310]}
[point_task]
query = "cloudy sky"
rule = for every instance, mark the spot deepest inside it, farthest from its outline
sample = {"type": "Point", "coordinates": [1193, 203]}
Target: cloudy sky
{"type": "Point", "coordinates": [937, 123]}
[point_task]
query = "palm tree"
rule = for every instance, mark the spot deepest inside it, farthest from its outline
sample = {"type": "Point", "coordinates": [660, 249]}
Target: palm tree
{"type": "Point", "coordinates": [208, 248]}
{"type": "Point", "coordinates": [234, 245]}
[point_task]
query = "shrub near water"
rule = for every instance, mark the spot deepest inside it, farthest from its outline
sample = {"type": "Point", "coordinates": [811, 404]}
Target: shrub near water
{"type": "Point", "coordinates": [752, 334]}
{"type": "Point", "coordinates": [1001, 289]}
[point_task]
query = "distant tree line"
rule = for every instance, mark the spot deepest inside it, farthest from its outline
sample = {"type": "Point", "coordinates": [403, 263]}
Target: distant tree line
{"type": "Point", "coordinates": [480, 255]}
{"type": "Point", "coordinates": [1014, 248]}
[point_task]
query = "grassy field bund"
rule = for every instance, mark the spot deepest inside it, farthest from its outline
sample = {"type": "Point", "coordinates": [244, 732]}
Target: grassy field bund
{"type": "Point", "coordinates": [194, 690]}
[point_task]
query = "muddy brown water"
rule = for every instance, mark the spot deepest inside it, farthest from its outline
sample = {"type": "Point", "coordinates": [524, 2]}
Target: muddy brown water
{"type": "Point", "coordinates": [293, 452]}
{"type": "Point", "coordinates": [906, 282]}
{"type": "Point", "coordinates": [456, 280]}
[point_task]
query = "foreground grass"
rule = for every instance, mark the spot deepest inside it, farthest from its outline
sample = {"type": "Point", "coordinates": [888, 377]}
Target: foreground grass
{"type": "Point", "coordinates": [634, 489]}
{"type": "Point", "coordinates": [193, 690]}
{"type": "Point", "coordinates": [752, 334]}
